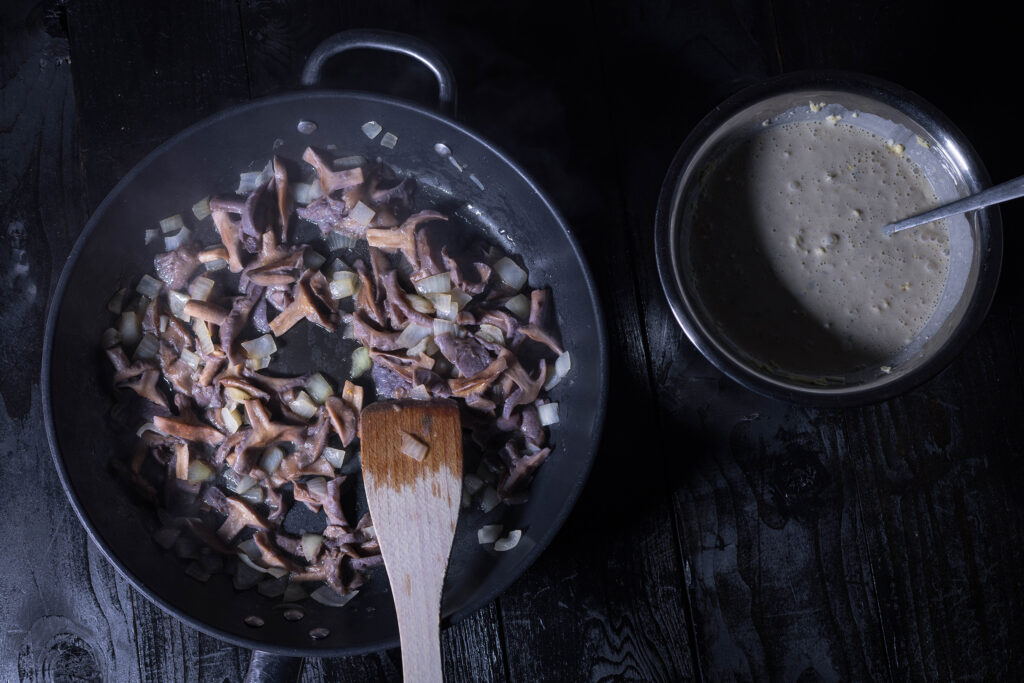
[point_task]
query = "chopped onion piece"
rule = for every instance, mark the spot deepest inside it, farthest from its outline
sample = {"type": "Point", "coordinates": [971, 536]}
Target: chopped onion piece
{"type": "Point", "coordinates": [304, 193]}
{"type": "Point", "coordinates": [389, 140]}
{"type": "Point", "coordinates": [201, 209]}
{"type": "Point", "coordinates": [489, 499]}
{"type": "Point", "coordinates": [111, 337]}
{"type": "Point", "coordinates": [200, 288]}
{"type": "Point", "coordinates": [176, 302]}
{"type": "Point", "coordinates": [425, 345]}
{"type": "Point", "coordinates": [303, 405]}
{"type": "Point", "coordinates": [419, 392]}
{"type": "Point", "coordinates": [360, 361]}
{"type": "Point", "coordinates": [271, 459]}
{"type": "Point", "coordinates": [254, 494]}
{"type": "Point", "coordinates": [489, 533]}
{"type": "Point", "coordinates": [335, 456]}
{"type": "Point", "coordinates": [510, 273]}
{"type": "Point", "coordinates": [563, 364]}
{"type": "Point", "coordinates": [420, 303]}
{"type": "Point", "coordinates": [236, 394]}
{"type": "Point", "coordinates": [319, 388]}
{"type": "Point", "coordinates": [249, 181]}
{"type": "Point", "coordinates": [313, 259]}
{"type": "Point", "coordinates": [163, 324]}
{"type": "Point", "coordinates": [344, 284]}
{"type": "Point", "coordinates": [152, 234]}
{"type": "Point", "coordinates": [338, 240]}
{"type": "Point", "coordinates": [311, 544]}
{"type": "Point", "coordinates": [548, 413]}
{"type": "Point", "coordinates": [238, 483]}
{"type": "Point", "coordinates": [519, 306]}
{"type": "Point", "coordinates": [148, 347]}
{"type": "Point", "coordinates": [216, 264]}
{"type": "Point", "coordinates": [434, 284]}
{"type": "Point", "coordinates": [251, 550]}
{"type": "Point", "coordinates": [172, 242]}
{"type": "Point", "coordinates": [491, 333]}
{"type": "Point", "coordinates": [461, 298]}
{"type": "Point", "coordinates": [444, 327]}
{"type": "Point", "coordinates": [149, 286]}
{"type": "Point", "coordinates": [317, 487]}
{"type": "Point", "coordinates": [413, 447]}
{"type": "Point", "coordinates": [552, 379]}
{"type": "Point", "coordinates": [191, 359]}
{"type": "Point", "coordinates": [337, 265]}
{"type": "Point", "coordinates": [362, 214]}
{"type": "Point", "coordinates": [172, 224]}
{"type": "Point", "coordinates": [445, 306]}
{"type": "Point", "coordinates": [232, 419]}
{"type": "Point", "coordinates": [198, 471]}
{"type": "Point", "coordinates": [508, 541]}
{"type": "Point", "coordinates": [412, 335]}
{"type": "Point", "coordinates": [203, 336]}
{"type": "Point", "coordinates": [326, 595]}
{"type": "Point", "coordinates": [116, 303]}
{"type": "Point", "coordinates": [260, 347]}
{"type": "Point", "coordinates": [257, 363]}
{"type": "Point", "coordinates": [348, 332]}
{"type": "Point", "coordinates": [251, 564]}
{"type": "Point", "coordinates": [472, 483]}
{"type": "Point", "coordinates": [372, 129]}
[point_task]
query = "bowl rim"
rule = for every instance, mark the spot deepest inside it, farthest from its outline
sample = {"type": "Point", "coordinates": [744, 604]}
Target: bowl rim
{"type": "Point", "coordinates": [989, 226]}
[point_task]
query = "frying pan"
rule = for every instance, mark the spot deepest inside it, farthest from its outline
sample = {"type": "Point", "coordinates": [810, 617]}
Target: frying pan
{"type": "Point", "coordinates": [489, 194]}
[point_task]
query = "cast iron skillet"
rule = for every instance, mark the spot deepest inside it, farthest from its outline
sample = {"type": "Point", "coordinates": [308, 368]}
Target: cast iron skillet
{"type": "Point", "coordinates": [207, 157]}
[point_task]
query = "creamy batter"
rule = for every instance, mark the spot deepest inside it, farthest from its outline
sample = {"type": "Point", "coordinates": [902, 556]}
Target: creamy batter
{"type": "Point", "coordinates": [788, 254]}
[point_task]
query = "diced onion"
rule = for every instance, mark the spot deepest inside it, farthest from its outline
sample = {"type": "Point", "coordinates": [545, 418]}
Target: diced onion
{"type": "Point", "coordinates": [335, 456]}
{"type": "Point", "coordinates": [149, 286]}
{"type": "Point", "coordinates": [419, 392]}
{"type": "Point", "coordinates": [552, 378]}
{"type": "Point", "coordinates": [319, 388]}
{"type": "Point", "coordinates": [420, 303]}
{"type": "Point", "coordinates": [343, 284]}
{"type": "Point", "coordinates": [111, 337]}
{"type": "Point", "coordinates": [191, 359]}
{"type": "Point", "coordinates": [412, 335]}
{"type": "Point", "coordinates": [163, 323]}
{"type": "Point", "coordinates": [489, 533]}
{"type": "Point", "coordinates": [510, 273]}
{"type": "Point", "coordinates": [304, 193]}
{"type": "Point", "coordinates": [519, 306]}
{"type": "Point", "coordinates": [203, 336]}
{"type": "Point", "coordinates": [489, 499]}
{"type": "Point", "coordinates": [326, 595]}
{"type": "Point", "coordinates": [148, 347]}
{"type": "Point", "coordinates": [360, 361]}
{"type": "Point", "coordinates": [236, 394]}
{"type": "Point", "coordinates": [172, 242]}
{"type": "Point", "coordinates": [257, 363]}
{"type": "Point", "coordinates": [491, 333]}
{"type": "Point", "coordinates": [201, 209]}
{"type": "Point", "coordinates": [445, 306]}
{"type": "Point", "coordinates": [198, 471]}
{"type": "Point", "coordinates": [238, 483]}
{"type": "Point", "coordinates": [362, 214]}
{"type": "Point", "coordinates": [348, 332]}
{"type": "Point", "coordinates": [311, 544]}
{"type": "Point", "coordinates": [172, 224]}
{"type": "Point", "coordinates": [425, 345]}
{"type": "Point", "coordinates": [260, 347]}
{"type": "Point", "coordinates": [200, 288]}
{"type": "Point", "coordinates": [116, 303]}
{"type": "Point", "coordinates": [152, 234]}
{"type": "Point", "coordinates": [434, 284]}
{"type": "Point", "coordinates": [508, 541]}
{"type": "Point", "coordinates": [317, 487]}
{"type": "Point", "coordinates": [232, 419]}
{"type": "Point", "coordinates": [249, 181]}
{"type": "Point", "coordinates": [176, 302]}
{"type": "Point", "coordinates": [254, 495]}
{"type": "Point", "coordinates": [216, 264]}
{"type": "Point", "coordinates": [372, 129]}
{"type": "Point", "coordinates": [444, 327]}
{"type": "Point", "coordinates": [413, 447]}
{"type": "Point", "coordinates": [303, 405]}
{"type": "Point", "coordinates": [389, 140]}
{"type": "Point", "coordinates": [339, 240]}
{"type": "Point", "coordinates": [472, 483]}
{"type": "Point", "coordinates": [461, 298]}
{"type": "Point", "coordinates": [548, 413]}
{"type": "Point", "coordinates": [271, 459]}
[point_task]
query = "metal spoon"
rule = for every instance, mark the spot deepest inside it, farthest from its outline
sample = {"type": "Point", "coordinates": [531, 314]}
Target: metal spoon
{"type": "Point", "coordinates": [1011, 189]}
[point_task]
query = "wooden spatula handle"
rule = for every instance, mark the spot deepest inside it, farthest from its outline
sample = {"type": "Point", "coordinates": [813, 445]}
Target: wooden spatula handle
{"type": "Point", "coordinates": [419, 629]}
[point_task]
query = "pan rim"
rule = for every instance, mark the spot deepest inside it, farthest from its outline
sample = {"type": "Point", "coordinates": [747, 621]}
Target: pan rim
{"type": "Point", "coordinates": [57, 299]}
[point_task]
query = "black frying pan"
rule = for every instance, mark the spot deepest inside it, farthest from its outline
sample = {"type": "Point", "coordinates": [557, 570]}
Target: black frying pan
{"type": "Point", "coordinates": [510, 209]}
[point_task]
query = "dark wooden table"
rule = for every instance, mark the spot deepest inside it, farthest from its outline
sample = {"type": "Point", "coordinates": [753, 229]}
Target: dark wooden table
{"type": "Point", "coordinates": [721, 535]}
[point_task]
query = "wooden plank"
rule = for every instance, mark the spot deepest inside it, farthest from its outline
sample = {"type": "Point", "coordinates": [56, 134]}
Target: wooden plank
{"type": "Point", "coordinates": [62, 614]}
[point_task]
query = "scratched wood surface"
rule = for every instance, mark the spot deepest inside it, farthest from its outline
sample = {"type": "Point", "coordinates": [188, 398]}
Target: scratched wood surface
{"type": "Point", "coordinates": [721, 535]}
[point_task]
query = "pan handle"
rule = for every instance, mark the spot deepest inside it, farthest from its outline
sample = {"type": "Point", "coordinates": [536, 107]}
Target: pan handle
{"type": "Point", "coordinates": [387, 41]}
{"type": "Point", "coordinates": [265, 667]}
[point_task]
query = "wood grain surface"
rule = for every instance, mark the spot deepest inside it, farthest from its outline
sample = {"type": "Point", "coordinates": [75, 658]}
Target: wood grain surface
{"type": "Point", "coordinates": [721, 535]}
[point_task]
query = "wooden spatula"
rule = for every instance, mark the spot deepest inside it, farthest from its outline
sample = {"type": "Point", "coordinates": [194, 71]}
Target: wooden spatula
{"type": "Point", "coordinates": [412, 473]}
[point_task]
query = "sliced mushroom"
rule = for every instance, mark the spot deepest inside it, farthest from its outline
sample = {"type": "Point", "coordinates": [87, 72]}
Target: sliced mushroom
{"type": "Point", "coordinates": [230, 235]}
{"type": "Point", "coordinates": [307, 304]}
{"type": "Point", "coordinates": [403, 238]}
{"type": "Point", "coordinates": [330, 180]}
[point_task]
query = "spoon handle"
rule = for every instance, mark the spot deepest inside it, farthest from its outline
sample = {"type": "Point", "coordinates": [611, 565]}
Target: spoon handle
{"type": "Point", "coordinates": [1011, 189]}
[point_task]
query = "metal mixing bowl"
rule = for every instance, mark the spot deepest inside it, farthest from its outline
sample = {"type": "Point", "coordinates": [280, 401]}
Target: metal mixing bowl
{"type": "Point", "coordinates": [934, 143]}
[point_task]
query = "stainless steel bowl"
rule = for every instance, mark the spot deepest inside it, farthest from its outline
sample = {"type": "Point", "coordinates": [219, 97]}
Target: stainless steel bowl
{"type": "Point", "coordinates": [947, 159]}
